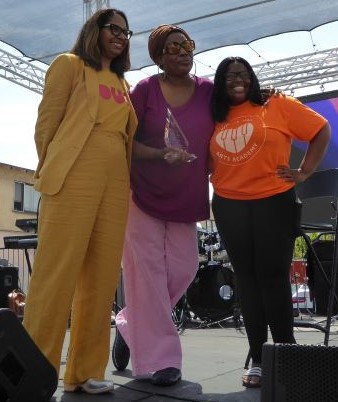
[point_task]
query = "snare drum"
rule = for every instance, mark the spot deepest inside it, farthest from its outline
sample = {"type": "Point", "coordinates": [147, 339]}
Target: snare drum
{"type": "Point", "coordinates": [211, 295]}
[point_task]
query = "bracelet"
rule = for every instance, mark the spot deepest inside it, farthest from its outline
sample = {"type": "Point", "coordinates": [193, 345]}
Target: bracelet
{"type": "Point", "coordinates": [300, 170]}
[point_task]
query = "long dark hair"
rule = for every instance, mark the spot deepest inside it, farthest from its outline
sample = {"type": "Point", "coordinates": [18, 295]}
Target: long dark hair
{"type": "Point", "coordinates": [220, 99]}
{"type": "Point", "coordinates": [87, 44]}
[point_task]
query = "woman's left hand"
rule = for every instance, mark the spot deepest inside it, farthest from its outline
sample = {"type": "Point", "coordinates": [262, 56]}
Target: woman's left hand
{"type": "Point", "coordinates": [291, 175]}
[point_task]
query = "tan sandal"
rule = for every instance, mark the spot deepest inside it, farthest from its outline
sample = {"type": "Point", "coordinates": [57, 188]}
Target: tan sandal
{"type": "Point", "coordinates": [252, 378]}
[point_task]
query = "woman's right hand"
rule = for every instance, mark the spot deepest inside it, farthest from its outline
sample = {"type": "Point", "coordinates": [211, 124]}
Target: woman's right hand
{"type": "Point", "coordinates": [176, 156]}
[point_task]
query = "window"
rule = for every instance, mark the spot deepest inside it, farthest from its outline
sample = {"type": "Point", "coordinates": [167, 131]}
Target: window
{"type": "Point", "coordinates": [26, 199]}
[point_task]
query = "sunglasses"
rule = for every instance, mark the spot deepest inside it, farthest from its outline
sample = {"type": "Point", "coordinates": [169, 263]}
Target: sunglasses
{"type": "Point", "coordinates": [243, 75]}
{"type": "Point", "coordinates": [117, 31]}
{"type": "Point", "coordinates": [175, 47]}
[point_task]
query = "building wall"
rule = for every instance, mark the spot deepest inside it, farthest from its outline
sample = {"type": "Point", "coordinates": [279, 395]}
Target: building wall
{"type": "Point", "coordinates": [8, 175]}
{"type": "Point", "coordinates": [13, 257]}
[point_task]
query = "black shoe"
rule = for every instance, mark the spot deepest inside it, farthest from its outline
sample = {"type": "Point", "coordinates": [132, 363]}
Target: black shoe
{"type": "Point", "coordinates": [167, 376]}
{"type": "Point", "coordinates": [120, 353]}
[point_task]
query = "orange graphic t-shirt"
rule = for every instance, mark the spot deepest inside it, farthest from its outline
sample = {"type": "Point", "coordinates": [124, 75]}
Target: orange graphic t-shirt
{"type": "Point", "coordinates": [247, 148]}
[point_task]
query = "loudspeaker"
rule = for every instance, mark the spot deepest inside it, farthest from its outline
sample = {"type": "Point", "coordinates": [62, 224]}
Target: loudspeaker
{"type": "Point", "coordinates": [9, 278]}
{"type": "Point", "coordinates": [299, 373]}
{"type": "Point", "coordinates": [25, 373]}
{"type": "Point", "coordinates": [319, 288]}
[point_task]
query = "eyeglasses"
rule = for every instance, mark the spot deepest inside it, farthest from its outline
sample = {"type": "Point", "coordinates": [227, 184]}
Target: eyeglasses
{"type": "Point", "coordinates": [243, 75]}
{"type": "Point", "coordinates": [175, 47]}
{"type": "Point", "coordinates": [116, 30]}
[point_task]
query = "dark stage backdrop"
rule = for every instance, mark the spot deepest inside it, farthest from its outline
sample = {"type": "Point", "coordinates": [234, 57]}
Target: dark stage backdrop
{"type": "Point", "coordinates": [320, 210]}
{"type": "Point", "coordinates": [327, 105]}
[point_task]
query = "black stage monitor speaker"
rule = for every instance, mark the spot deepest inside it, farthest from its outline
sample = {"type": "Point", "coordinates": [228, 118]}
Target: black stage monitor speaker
{"type": "Point", "coordinates": [25, 374]}
{"type": "Point", "coordinates": [8, 281]}
{"type": "Point", "coordinates": [299, 373]}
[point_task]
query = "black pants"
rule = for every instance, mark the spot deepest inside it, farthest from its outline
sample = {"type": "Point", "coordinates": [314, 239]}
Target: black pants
{"type": "Point", "coordinates": [259, 238]}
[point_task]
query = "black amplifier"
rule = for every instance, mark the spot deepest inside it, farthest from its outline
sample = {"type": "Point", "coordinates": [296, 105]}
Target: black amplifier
{"type": "Point", "coordinates": [9, 278]}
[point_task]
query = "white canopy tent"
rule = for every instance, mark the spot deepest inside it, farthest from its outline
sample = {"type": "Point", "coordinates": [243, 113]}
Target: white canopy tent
{"type": "Point", "coordinates": [41, 30]}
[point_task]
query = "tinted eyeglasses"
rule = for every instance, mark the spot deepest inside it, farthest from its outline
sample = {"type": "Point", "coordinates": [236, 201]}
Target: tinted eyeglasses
{"type": "Point", "coordinates": [175, 47]}
{"type": "Point", "coordinates": [116, 30]}
{"type": "Point", "coordinates": [243, 75]}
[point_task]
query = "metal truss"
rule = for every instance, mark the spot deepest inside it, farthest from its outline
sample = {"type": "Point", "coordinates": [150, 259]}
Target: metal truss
{"type": "Point", "coordinates": [309, 70]}
{"type": "Point", "coordinates": [290, 74]}
{"type": "Point", "coordinates": [22, 72]}
{"type": "Point", "coordinates": [90, 6]}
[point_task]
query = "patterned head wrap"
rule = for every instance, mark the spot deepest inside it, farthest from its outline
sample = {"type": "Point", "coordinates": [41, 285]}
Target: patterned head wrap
{"type": "Point", "coordinates": [157, 40]}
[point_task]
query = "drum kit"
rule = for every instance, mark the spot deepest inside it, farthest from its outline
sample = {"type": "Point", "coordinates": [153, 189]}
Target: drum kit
{"type": "Point", "coordinates": [210, 247]}
{"type": "Point", "coordinates": [212, 296]}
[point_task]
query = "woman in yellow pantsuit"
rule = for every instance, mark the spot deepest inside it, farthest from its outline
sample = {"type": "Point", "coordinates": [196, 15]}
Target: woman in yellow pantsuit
{"type": "Point", "coordinates": [84, 134]}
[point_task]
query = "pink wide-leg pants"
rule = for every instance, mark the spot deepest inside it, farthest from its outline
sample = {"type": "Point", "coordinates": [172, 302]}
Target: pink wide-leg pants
{"type": "Point", "coordinates": [160, 260]}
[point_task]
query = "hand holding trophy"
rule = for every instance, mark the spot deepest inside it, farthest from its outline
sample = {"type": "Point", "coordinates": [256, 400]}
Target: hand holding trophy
{"type": "Point", "coordinates": [175, 138]}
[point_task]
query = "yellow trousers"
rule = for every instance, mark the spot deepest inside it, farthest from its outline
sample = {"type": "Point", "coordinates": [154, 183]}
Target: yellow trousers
{"type": "Point", "coordinates": [77, 263]}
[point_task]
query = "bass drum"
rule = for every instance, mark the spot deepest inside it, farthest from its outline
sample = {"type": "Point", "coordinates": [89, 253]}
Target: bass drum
{"type": "Point", "coordinates": [211, 295]}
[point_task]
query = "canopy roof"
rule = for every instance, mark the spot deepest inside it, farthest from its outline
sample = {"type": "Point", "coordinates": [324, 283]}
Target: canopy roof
{"type": "Point", "coordinates": [42, 29]}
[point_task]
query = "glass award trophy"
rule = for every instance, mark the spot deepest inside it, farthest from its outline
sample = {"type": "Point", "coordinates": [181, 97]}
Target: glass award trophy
{"type": "Point", "coordinates": [174, 137]}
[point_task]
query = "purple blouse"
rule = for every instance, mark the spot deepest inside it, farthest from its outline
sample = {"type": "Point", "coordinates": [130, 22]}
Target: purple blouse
{"type": "Point", "coordinates": [166, 192]}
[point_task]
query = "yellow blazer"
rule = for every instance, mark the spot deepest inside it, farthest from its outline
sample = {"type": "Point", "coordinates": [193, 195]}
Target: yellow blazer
{"type": "Point", "coordinates": [67, 114]}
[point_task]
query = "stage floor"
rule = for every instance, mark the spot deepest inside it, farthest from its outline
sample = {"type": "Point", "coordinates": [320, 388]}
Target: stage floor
{"type": "Point", "coordinates": [212, 368]}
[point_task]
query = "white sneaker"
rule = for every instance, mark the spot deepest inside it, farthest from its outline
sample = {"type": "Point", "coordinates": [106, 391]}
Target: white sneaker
{"type": "Point", "coordinates": [90, 386]}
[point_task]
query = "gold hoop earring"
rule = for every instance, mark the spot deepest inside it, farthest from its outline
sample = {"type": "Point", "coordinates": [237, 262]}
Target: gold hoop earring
{"type": "Point", "coordinates": [161, 73]}
{"type": "Point", "coordinates": [193, 75]}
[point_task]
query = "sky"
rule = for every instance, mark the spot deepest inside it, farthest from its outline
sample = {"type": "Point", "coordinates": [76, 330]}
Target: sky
{"type": "Point", "coordinates": [18, 105]}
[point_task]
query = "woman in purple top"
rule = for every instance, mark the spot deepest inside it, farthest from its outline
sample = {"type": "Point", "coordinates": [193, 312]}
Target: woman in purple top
{"type": "Point", "coordinates": [169, 195]}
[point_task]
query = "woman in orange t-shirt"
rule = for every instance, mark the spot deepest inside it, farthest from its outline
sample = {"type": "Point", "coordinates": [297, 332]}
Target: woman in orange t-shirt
{"type": "Point", "coordinates": [254, 202]}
